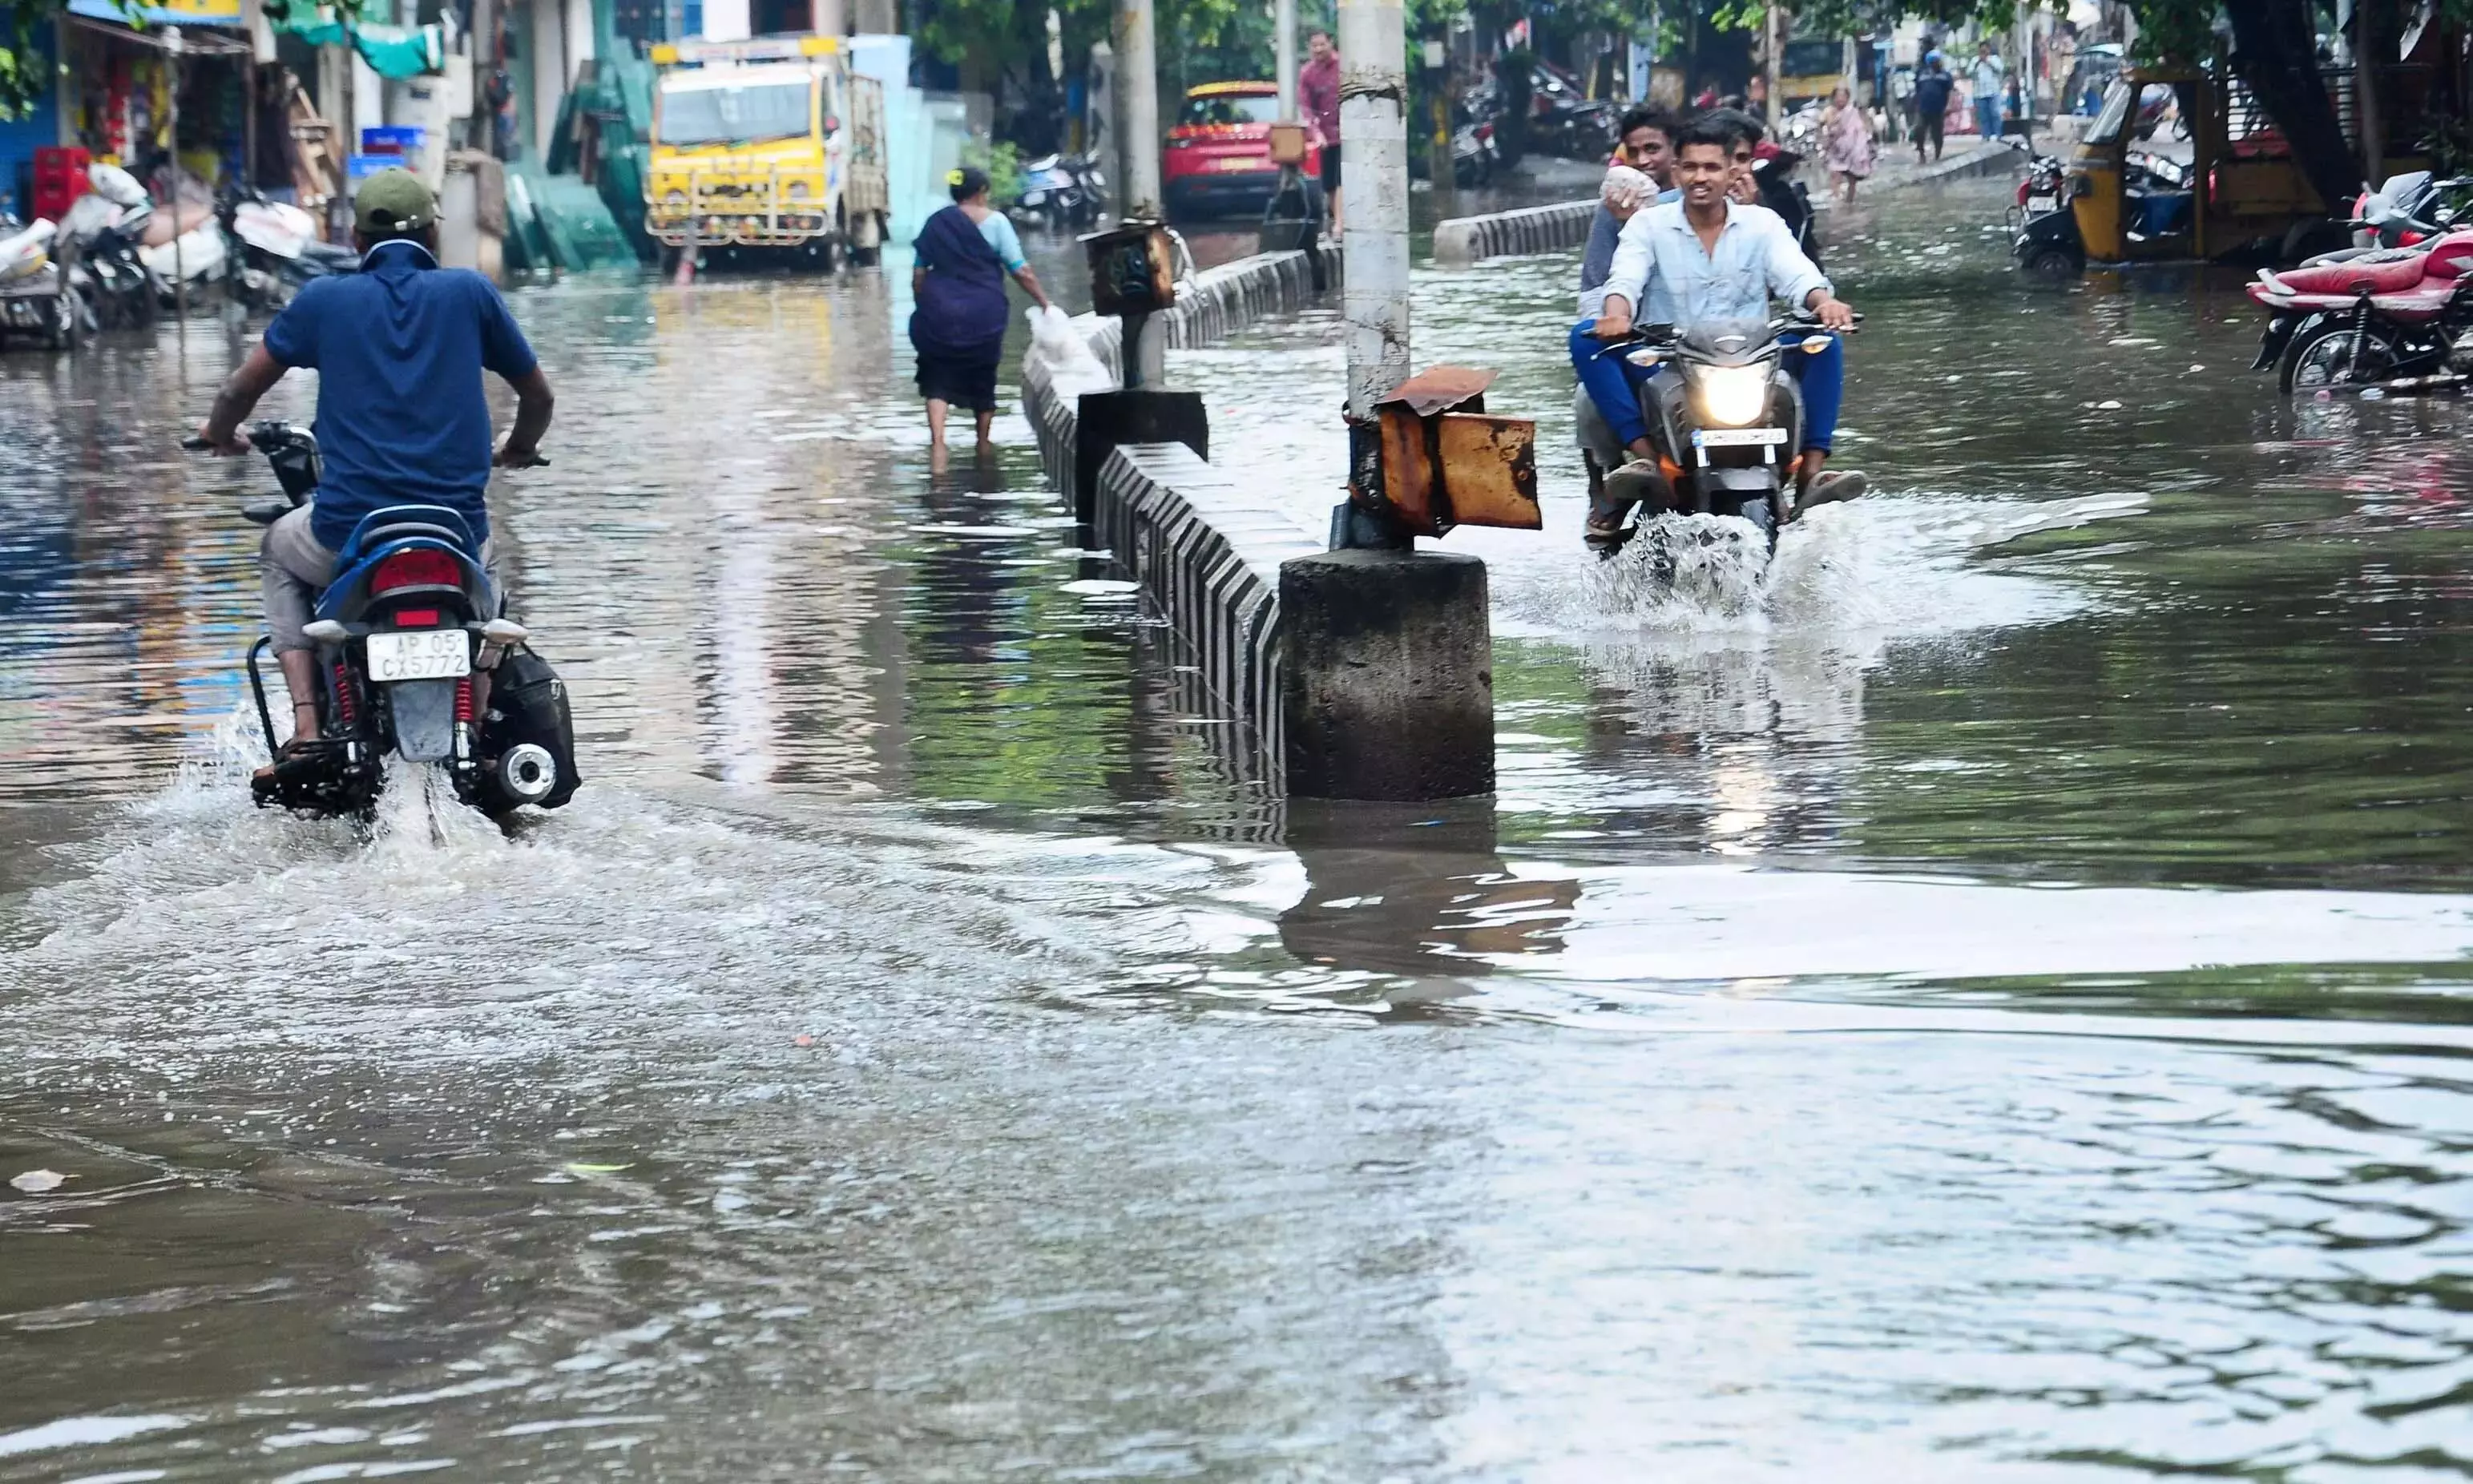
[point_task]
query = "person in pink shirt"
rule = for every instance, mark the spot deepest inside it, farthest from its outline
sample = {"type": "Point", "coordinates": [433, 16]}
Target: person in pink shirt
{"type": "Point", "coordinates": [1318, 94]}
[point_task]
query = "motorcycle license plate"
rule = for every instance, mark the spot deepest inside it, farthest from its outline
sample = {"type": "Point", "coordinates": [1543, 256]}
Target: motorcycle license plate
{"type": "Point", "coordinates": [2043, 204]}
{"type": "Point", "coordinates": [419, 655]}
{"type": "Point", "coordinates": [1735, 438]}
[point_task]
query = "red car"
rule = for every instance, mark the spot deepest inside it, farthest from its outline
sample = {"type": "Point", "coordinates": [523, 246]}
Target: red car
{"type": "Point", "coordinates": [1219, 156]}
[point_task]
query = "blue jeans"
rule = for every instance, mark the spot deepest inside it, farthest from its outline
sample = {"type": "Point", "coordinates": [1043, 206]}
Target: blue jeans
{"type": "Point", "coordinates": [1988, 116]}
{"type": "Point", "coordinates": [1613, 384]}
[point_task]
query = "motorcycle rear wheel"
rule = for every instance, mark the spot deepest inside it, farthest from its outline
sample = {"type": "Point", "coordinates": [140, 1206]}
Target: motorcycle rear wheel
{"type": "Point", "coordinates": [2326, 356]}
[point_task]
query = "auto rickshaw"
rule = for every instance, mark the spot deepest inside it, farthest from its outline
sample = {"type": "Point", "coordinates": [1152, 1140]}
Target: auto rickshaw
{"type": "Point", "coordinates": [2128, 205]}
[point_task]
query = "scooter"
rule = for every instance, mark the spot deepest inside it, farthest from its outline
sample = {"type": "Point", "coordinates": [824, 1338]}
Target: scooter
{"type": "Point", "coordinates": [2397, 317]}
{"type": "Point", "coordinates": [1723, 421]}
{"type": "Point", "coordinates": [103, 232]}
{"type": "Point", "coordinates": [408, 622]}
{"type": "Point", "coordinates": [1063, 190]}
{"type": "Point", "coordinates": [199, 258]}
{"type": "Point", "coordinates": [36, 295]}
{"type": "Point", "coordinates": [1473, 152]}
{"type": "Point", "coordinates": [277, 250]}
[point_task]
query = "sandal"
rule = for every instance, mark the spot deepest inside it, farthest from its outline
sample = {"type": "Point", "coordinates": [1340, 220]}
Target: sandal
{"type": "Point", "coordinates": [292, 751]}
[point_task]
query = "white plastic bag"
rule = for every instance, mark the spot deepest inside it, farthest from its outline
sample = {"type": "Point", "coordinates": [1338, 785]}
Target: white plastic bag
{"type": "Point", "coordinates": [1058, 347]}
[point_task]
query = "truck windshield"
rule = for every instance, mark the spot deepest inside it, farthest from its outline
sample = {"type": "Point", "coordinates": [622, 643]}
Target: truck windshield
{"type": "Point", "coordinates": [734, 115]}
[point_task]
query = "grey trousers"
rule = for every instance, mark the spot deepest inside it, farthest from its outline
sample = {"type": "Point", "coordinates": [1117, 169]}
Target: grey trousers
{"type": "Point", "coordinates": [293, 569]}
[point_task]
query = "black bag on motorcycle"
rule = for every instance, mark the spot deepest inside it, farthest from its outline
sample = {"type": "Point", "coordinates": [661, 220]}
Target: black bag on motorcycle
{"type": "Point", "coordinates": [528, 704]}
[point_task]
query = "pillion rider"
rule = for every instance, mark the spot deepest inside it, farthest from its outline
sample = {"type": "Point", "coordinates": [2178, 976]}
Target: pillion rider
{"type": "Point", "coordinates": [399, 348]}
{"type": "Point", "coordinates": [1704, 259]}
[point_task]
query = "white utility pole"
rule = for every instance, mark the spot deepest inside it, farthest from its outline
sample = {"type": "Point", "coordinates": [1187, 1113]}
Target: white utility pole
{"type": "Point", "coordinates": [1138, 141]}
{"type": "Point", "coordinates": [1774, 69]}
{"type": "Point", "coordinates": [1137, 102]}
{"type": "Point", "coordinates": [1284, 54]}
{"type": "Point", "coordinates": [1374, 143]}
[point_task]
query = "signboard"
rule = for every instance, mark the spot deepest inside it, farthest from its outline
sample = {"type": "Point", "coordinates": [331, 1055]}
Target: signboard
{"type": "Point", "coordinates": [163, 12]}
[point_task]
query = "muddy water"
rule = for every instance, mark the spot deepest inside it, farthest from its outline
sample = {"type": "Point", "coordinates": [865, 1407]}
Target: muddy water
{"type": "Point", "coordinates": [1981, 999]}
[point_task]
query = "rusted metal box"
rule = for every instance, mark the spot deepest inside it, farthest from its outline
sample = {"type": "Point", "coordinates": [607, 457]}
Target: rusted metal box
{"type": "Point", "coordinates": [1445, 462]}
{"type": "Point", "coordinates": [1133, 271]}
{"type": "Point", "coordinates": [1288, 144]}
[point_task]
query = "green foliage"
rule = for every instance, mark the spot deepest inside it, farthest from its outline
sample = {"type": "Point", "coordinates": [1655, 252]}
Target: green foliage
{"type": "Point", "coordinates": [1003, 164]}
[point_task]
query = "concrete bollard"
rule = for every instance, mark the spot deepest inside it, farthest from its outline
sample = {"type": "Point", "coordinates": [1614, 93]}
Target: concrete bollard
{"type": "Point", "coordinates": [1386, 675]}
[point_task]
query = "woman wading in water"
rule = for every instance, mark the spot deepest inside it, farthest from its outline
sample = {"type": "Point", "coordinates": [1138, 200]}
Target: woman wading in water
{"type": "Point", "coordinates": [958, 324]}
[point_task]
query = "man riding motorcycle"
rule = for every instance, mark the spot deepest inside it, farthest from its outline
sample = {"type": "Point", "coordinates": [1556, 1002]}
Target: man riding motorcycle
{"type": "Point", "coordinates": [398, 349]}
{"type": "Point", "coordinates": [1703, 259]}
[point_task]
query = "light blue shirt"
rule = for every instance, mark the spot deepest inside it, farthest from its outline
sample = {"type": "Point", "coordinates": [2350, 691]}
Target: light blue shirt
{"type": "Point", "coordinates": [1664, 273]}
{"type": "Point", "coordinates": [997, 229]}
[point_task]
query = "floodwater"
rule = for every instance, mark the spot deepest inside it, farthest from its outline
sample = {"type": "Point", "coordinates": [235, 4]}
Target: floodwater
{"type": "Point", "coordinates": [1984, 999]}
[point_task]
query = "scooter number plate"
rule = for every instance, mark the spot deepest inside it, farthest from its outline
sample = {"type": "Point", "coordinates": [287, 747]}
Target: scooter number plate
{"type": "Point", "coordinates": [419, 655]}
{"type": "Point", "coordinates": [2043, 204]}
{"type": "Point", "coordinates": [1735, 438]}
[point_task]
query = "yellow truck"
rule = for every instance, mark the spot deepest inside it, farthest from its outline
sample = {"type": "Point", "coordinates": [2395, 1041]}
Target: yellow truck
{"type": "Point", "coordinates": [770, 146]}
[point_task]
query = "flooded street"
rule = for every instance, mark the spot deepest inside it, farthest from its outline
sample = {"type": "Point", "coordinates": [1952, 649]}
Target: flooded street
{"type": "Point", "coordinates": [1986, 999]}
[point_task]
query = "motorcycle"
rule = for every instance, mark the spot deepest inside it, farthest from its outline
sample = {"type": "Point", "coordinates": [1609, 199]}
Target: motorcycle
{"type": "Point", "coordinates": [276, 249]}
{"type": "Point", "coordinates": [1473, 152]}
{"type": "Point", "coordinates": [409, 620]}
{"type": "Point", "coordinates": [2397, 317]}
{"type": "Point", "coordinates": [1063, 190]}
{"type": "Point", "coordinates": [103, 231]}
{"type": "Point", "coordinates": [1720, 423]}
{"type": "Point", "coordinates": [36, 295]}
{"type": "Point", "coordinates": [199, 258]}
{"type": "Point", "coordinates": [2041, 193]}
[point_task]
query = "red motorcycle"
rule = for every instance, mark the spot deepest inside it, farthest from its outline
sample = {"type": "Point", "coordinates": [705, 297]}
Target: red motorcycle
{"type": "Point", "coordinates": [2395, 318]}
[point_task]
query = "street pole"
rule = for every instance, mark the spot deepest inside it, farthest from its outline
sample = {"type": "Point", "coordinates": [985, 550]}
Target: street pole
{"type": "Point", "coordinates": [1774, 66]}
{"type": "Point", "coordinates": [1438, 158]}
{"type": "Point", "coordinates": [172, 116]}
{"type": "Point", "coordinates": [1374, 141]}
{"type": "Point", "coordinates": [1283, 56]}
{"type": "Point", "coordinates": [1139, 139]}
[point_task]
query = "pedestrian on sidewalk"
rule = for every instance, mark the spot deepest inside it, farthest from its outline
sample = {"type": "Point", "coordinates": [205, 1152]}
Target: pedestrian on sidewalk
{"type": "Point", "coordinates": [958, 323]}
{"type": "Point", "coordinates": [1933, 90]}
{"type": "Point", "coordinates": [1991, 80]}
{"type": "Point", "coordinates": [1318, 90]}
{"type": "Point", "coordinates": [1846, 143]}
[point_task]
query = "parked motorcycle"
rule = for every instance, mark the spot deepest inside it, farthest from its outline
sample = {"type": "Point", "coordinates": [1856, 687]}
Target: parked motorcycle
{"type": "Point", "coordinates": [1063, 190]}
{"type": "Point", "coordinates": [2396, 318]}
{"type": "Point", "coordinates": [200, 258]}
{"type": "Point", "coordinates": [276, 250]}
{"type": "Point", "coordinates": [1474, 154]}
{"type": "Point", "coordinates": [409, 620]}
{"type": "Point", "coordinates": [2043, 192]}
{"type": "Point", "coordinates": [1725, 418]}
{"type": "Point", "coordinates": [104, 232]}
{"type": "Point", "coordinates": [36, 299]}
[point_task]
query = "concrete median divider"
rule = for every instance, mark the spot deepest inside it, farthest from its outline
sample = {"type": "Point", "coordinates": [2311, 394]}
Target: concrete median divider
{"type": "Point", "coordinates": [1205, 553]}
{"type": "Point", "coordinates": [1469, 239]}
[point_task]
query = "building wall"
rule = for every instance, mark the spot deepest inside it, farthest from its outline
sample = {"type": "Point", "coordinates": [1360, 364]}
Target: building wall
{"type": "Point", "coordinates": [21, 137]}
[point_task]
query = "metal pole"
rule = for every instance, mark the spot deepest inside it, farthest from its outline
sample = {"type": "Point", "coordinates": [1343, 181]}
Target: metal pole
{"type": "Point", "coordinates": [1139, 139]}
{"type": "Point", "coordinates": [1438, 157]}
{"type": "Point", "coordinates": [179, 270]}
{"type": "Point", "coordinates": [1283, 54]}
{"type": "Point", "coordinates": [1374, 140]}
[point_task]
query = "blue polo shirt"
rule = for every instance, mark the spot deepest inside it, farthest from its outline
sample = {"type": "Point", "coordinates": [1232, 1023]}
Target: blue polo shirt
{"type": "Point", "coordinates": [398, 349]}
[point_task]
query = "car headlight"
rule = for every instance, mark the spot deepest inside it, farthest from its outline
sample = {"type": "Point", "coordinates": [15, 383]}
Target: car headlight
{"type": "Point", "coordinates": [1733, 396]}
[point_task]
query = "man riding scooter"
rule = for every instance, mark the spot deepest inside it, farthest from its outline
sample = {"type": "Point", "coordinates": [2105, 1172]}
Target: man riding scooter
{"type": "Point", "coordinates": [398, 349]}
{"type": "Point", "coordinates": [1704, 259]}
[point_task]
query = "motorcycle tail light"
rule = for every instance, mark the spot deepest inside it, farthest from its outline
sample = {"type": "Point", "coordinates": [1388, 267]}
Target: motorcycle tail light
{"type": "Point", "coordinates": [420, 568]}
{"type": "Point", "coordinates": [416, 618]}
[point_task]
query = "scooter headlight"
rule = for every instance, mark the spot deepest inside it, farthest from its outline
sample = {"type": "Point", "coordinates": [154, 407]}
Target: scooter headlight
{"type": "Point", "coordinates": [1734, 395]}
